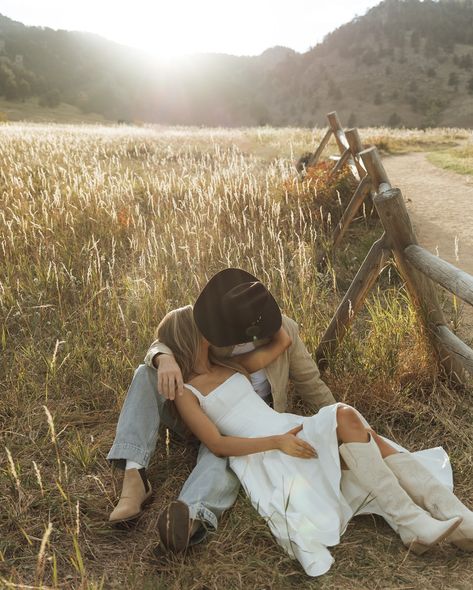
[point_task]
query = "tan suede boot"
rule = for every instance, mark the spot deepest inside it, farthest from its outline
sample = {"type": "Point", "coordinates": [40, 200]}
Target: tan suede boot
{"type": "Point", "coordinates": [428, 492]}
{"type": "Point", "coordinates": [135, 494]}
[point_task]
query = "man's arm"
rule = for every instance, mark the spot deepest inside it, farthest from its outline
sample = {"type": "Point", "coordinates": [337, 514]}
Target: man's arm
{"type": "Point", "coordinates": [264, 355]}
{"type": "Point", "coordinates": [160, 357]}
{"type": "Point", "coordinates": [304, 373]}
{"type": "Point", "coordinates": [154, 351]}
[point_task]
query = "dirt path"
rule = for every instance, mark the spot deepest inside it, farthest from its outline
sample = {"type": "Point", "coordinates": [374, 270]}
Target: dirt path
{"type": "Point", "coordinates": [440, 203]}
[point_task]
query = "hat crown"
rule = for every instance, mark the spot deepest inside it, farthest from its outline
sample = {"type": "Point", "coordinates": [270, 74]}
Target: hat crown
{"type": "Point", "coordinates": [247, 300]}
{"type": "Point", "coordinates": [235, 307]}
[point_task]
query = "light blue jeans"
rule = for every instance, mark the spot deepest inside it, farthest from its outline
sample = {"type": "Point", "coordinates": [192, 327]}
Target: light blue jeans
{"type": "Point", "coordinates": [210, 489]}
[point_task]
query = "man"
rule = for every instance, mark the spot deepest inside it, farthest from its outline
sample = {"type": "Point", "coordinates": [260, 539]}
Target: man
{"type": "Point", "coordinates": [235, 313]}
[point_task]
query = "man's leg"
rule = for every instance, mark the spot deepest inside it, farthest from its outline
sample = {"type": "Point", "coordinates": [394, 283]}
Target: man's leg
{"type": "Point", "coordinates": [142, 412]}
{"type": "Point", "coordinates": [210, 489]}
{"type": "Point", "coordinates": [138, 424]}
{"type": "Point", "coordinates": [135, 440]}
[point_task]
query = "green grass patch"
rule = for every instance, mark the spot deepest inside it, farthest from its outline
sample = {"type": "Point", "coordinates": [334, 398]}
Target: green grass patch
{"type": "Point", "coordinates": [31, 110]}
{"type": "Point", "coordinates": [458, 159]}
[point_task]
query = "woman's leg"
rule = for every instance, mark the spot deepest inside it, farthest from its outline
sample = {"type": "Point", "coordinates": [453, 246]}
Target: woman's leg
{"type": "Point", "coordinates": [350, 428]}
{"type": "Point", "coordinates": [364, 456]}
{"type": "Point", "coordinates": [430, 494]}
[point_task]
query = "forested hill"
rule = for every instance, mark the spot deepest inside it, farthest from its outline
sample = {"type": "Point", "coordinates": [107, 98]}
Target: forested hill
{"type": "Point", "coordinates": [405, 62]}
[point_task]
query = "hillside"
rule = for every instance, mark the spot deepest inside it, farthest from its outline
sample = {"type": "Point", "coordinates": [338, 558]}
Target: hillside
{"type": "Point", "coordinates": [404, 63]}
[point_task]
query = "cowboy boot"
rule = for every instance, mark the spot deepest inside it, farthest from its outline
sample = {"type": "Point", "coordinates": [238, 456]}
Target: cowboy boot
{"type": "Point", "coordinates": [428, 492]}
{"type": "Point", "coordinates": [417, 529]}
{"type": "Point", "coordinates": [136, 492]}
{"type": "Point", "coordinates": [175, 526]}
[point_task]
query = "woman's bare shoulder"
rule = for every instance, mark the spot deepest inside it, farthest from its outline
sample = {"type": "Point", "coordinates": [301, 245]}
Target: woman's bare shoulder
{"type": "Point", "coordinates": [207, 382]}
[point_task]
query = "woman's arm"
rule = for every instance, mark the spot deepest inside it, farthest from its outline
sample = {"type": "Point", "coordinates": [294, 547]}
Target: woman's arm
{"type": "Point", "coordinates": [264, 355]}
{"type": "Point", "coordinates": [234, 446]}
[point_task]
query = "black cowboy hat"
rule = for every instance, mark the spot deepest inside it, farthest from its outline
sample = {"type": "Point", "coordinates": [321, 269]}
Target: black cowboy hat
{"type": "Point", "coordinates": [235, 307]}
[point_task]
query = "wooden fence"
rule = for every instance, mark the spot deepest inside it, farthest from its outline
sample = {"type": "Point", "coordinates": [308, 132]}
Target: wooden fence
{"type": "Point", "coordinates": [349, 145]}
{"type": "Point", "coordinates": [421, 270]}
{"type": "Point", "coordinates": [345, 144]}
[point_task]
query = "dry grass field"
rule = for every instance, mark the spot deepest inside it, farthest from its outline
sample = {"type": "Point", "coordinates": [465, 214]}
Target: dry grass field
{"type": "Point", "coordinates": [103, 230]}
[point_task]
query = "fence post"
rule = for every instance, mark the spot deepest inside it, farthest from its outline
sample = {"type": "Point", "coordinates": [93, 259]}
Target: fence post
{"type": "Point", "coordinates": [353, 206]}
{"type": "Point", "coordinates": [364, 280]}
{"type": "Point", "coordinates": [337, 129]}
{"type": "Point", "coordinates": [395, 219]}
{"type": "Point", "coordinates": [354, 141]}
{"type": "Point", "coordinates": [375, 169]}
{"type": "Point", "coordinates": [318, 152]}
{"type": "Point", "coordinates": [344, 158]}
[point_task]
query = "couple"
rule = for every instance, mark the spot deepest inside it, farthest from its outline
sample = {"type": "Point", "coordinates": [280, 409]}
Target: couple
{"type": "Point", "coordinates": [307, 476]}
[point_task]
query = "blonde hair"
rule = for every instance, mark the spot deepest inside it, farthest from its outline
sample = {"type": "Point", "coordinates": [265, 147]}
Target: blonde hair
{"type": "Point", "coordinates": [180, 333]}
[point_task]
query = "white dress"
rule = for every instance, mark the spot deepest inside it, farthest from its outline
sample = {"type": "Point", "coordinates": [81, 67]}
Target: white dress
{"type": "Point", "coordinates": [301, 499]}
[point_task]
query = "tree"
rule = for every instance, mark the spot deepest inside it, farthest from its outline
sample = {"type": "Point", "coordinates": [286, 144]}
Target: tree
{"type": "Point", "coordinates": [370, 58]}
{"type": "Point", "coordinates": [415, 41]}
{"type": "Point", "coordinates": [334, 91]}
{"type": "Point", "coordinates": [465, 62]}
{"type": "Point", "coordinates": [378, 99]}
{"type": "Point", "coordinates": [394, 120]}
{"type": "Point", "coordinates": [24, 90]}
{"type": "Point", "coordinates": [469, 85]}
{"type": "Point", "coordinates": [51, 99]}
{"type": "Point", "coordinates": [453, 80]}
{"type": "Point", "coordinates": [352, 120]}
{"type": "Point", "coordinates": [431, 47]}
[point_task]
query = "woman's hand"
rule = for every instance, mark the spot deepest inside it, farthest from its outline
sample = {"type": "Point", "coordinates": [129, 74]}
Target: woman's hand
{"type": "Point", "coordinates": [296, 447]}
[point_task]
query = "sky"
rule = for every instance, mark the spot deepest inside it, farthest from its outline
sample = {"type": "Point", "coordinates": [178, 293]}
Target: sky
{"type": "Point", "coordinates": [176, 27]}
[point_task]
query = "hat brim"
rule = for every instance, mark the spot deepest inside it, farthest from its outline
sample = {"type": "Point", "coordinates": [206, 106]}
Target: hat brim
{"type": "Point", "coordinates": [213, 323]}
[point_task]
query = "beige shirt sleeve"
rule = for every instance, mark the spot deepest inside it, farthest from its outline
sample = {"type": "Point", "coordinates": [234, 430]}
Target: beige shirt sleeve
{"type": "Point", "coordinates": [156, 348]}
{"type": "Point", "coordinates": [304, 373]}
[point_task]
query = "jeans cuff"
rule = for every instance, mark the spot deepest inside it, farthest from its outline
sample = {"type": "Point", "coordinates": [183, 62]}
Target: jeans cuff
{"type": "Point", "coordinates": [207, 519]}
{"type": "Point", "coordinates": [121, 452]}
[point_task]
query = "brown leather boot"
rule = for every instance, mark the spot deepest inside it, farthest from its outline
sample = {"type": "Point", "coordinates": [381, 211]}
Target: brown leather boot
{"type": "Point", "coordinates": [174, 526]}
{"type": "Point", "coordinates": [136, 492]}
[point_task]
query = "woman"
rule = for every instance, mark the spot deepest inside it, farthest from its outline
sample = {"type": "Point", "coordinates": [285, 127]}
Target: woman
{"type": "Point", "coordinates": [290, 465]}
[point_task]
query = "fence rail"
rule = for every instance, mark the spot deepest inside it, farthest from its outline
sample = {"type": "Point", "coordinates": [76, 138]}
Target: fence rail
{"type": "Point", "coordinates": [449, 276]}
{"type": "Point", "coordinates": [421, 270]}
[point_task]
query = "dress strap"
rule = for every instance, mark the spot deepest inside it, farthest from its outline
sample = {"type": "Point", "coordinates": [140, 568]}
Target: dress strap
{"type": "Point", "coordinates": [195, 391]}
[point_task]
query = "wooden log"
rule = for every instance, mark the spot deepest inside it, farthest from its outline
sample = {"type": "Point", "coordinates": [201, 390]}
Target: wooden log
{"type": "Point", "coordinates": [375, 168]}
{"type": "Point", "coordinates": [353, 300]}
{"type": "Point", "coordinates": [342, 142]}
{"type": "Point", "coordinates": [354, 142]}
{"type": "Point", "coordinates": [397, 225]}
{"type": "Point", "coordinates": [353, 206]}
{"type": "Point", "coordinates": [457, 349]}
{"type": "Point", "coordinates": [449, 276]}
{"type": "Point", "coordinates": [341, 162]}
{"type": "Point", "coordinates": [318, 152]}
{"type": "Point", "coordinates": [337, 129]}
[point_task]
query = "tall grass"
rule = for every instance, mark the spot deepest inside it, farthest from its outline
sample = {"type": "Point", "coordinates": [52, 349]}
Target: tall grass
{"type": "Point", "coordinates": [102, 231]}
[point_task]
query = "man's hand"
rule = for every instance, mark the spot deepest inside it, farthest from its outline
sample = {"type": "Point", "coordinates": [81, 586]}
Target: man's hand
{"type": "Point", "coordinates": [291, 445]}
{"type": "Point", "coordinates": [170, 381]}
